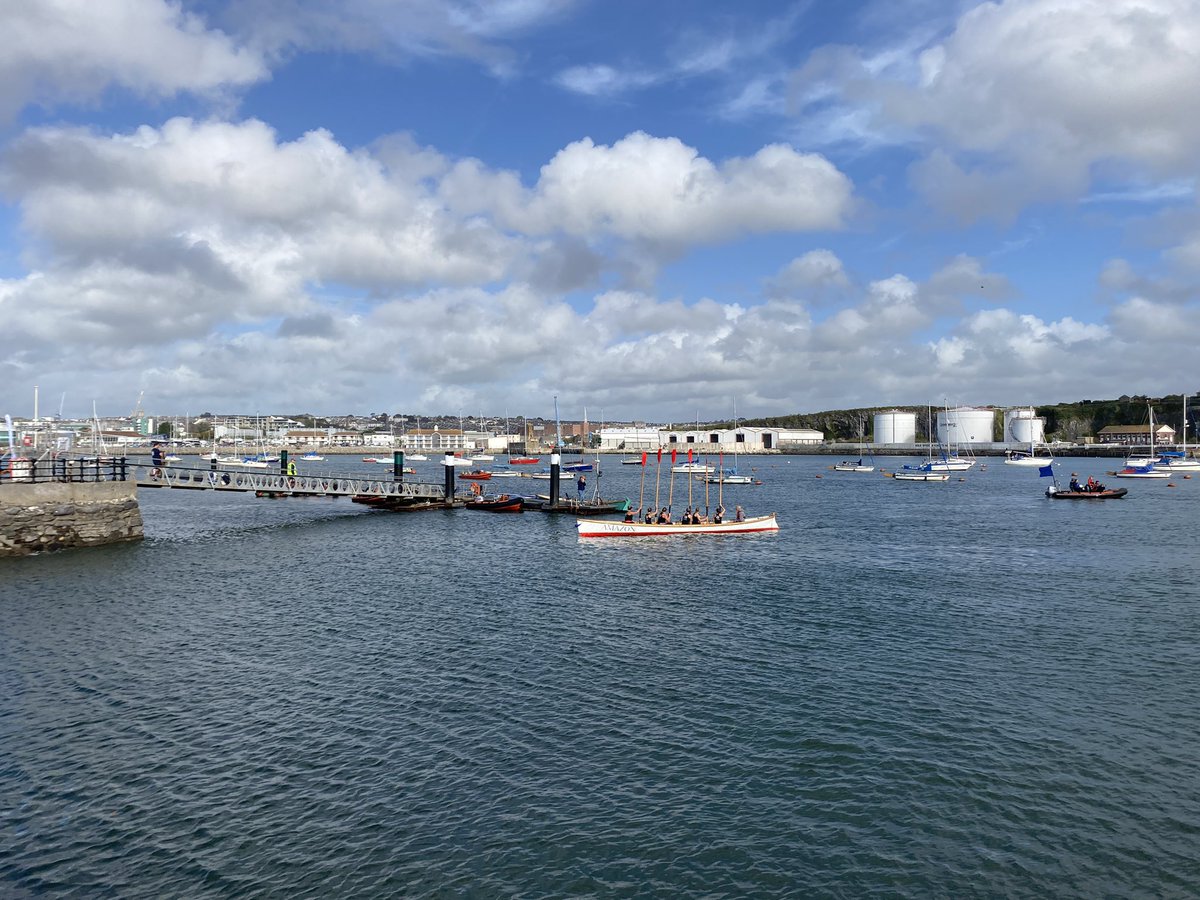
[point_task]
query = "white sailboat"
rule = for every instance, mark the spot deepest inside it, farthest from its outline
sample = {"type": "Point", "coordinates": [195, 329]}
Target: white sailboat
{"type": "Point", "coordinates": [1030, 458]}
{"type": "Point", "coordinates": [731, 476]}
{"type": "Point", "coordinates": [1178, 460]}
{"type": "Point", "coordinates": [925, 471]}
{"type": "Point", "coordinates": [950, 461]}
{"type": "Point", "coordinates": [1144, 467]}
{"type": "Point", "coordinates": [857, 465]}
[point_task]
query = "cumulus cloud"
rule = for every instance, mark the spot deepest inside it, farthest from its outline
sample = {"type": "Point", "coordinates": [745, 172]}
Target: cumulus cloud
{"type": "Point", "coordinates": [272, 214]}
{"type": "Point", "coordinates": [816, 274]}
{"type": "Point", "coordinates": [635, 354]}
{"type": "Point", "coordinates": [1024, 99]}
{"type": "Point", "coordinates": [154, 245]}
{"type": "Point", "coordinates": [74, 50]}
{"type": "Point", "coordinates": [660, 189]}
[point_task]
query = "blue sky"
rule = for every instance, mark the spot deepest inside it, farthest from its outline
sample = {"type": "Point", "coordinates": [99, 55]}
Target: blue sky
{"type": "Point", "coordinates": [644, 208]}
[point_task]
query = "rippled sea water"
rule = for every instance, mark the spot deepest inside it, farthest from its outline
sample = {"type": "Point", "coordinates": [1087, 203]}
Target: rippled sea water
{"type": "Point", "coordinates": [923, 690]}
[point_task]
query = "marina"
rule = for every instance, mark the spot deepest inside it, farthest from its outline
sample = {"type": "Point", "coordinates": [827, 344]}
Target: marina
{"type": "Point", "coordinates": [563, 715]}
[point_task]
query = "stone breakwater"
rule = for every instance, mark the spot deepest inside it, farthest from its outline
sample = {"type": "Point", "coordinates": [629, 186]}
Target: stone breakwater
{"type": "Point", "coordinates": [36, 518]}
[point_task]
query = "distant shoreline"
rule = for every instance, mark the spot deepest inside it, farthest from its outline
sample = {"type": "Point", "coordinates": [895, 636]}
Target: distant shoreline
{"type": "Point", "coordinates": [1105, 451]}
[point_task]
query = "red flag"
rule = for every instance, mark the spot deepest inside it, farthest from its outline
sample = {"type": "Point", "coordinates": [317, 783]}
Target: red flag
{"type": "Point", "coordinates": [689, 454]}
{"type": "Point", "coordinates": [660, 454]}
{"type": "Point", "coordinates": [643, 457]}
{"type": "Point", "coordinates": [673, 452]}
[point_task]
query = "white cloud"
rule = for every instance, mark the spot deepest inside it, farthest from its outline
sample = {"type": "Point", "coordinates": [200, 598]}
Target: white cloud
{"type": "Point", "coordinates": [1026, 98]}
{"type": "Point", "coordinates": [740, 54]}
{"type": "Point", "coordinates": [817, 274]}
{"type": "Point", "coordinates": [74, 50]}
{"type": "Point", "coordinates": [395, 31]}
{"type": "Point", "coordinates": [600, 80]}
{"type": "Point", "coordinates": [659, 189]}
{"type": "Point", "coordinates": [269, 213]}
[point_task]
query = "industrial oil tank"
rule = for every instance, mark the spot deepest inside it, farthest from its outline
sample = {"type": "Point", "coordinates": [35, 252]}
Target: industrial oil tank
{"type": "Point", "coordinates": [895, 427]}
{"type": "Point", "coordinates": [965, 425]}
{"type": "Point", "coordinates": [1024, 426]}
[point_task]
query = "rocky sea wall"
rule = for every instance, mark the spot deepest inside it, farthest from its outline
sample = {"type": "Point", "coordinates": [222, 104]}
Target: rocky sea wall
{"type": "Point", "coordinates": [37, 518]}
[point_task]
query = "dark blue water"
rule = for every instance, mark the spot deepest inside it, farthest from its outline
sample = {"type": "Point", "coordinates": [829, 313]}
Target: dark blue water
{"type": "Point", "coordinates": [950, 690]}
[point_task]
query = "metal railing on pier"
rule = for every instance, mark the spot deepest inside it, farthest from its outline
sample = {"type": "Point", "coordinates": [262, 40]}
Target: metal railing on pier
{"type": "Point", "coordinates": [58, 469]}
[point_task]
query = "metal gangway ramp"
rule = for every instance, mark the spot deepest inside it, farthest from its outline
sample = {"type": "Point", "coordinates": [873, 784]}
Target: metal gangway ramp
{"type": "Point", "coordinates": [322, 485]}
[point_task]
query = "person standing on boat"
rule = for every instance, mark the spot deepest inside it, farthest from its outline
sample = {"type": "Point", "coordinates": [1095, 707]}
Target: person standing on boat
{"type": "Point", "coordinates": [718, 515]}
{"type": "Point", "coordinates": [581, 486]}
{"type": "Point", "coordinates": [739, 514]}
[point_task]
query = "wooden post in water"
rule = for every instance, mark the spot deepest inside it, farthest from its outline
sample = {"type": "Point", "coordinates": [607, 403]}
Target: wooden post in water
{"type": "Point", "coordinates": [398, 465]}
{"type": "Point", "coordinates": [283, 459]}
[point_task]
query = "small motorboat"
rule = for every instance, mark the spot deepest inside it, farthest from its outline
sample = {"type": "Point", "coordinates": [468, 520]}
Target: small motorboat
{"type": "Point", "coordinates": [524, 460]}
{"type": "Point", "coordinates": [476, 475]}
{"type": "Point", "coordinates": [500, 503]}
{"type": "Point", "coordinates": [1099, 492]}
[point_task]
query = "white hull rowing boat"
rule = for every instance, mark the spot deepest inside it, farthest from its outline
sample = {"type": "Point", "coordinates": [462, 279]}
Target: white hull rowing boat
{"type": "Point", "coordinates": [921, 476]}
{"type": "Point", "coordinates": [611, 528]}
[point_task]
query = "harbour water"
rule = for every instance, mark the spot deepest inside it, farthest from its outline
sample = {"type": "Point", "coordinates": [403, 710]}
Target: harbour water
{"type": "Point", "coordinates": [922, 690]}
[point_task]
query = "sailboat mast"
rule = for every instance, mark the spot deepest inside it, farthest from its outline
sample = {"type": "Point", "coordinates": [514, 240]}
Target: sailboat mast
{"type": "Point", "coordinates": [1185, 426]}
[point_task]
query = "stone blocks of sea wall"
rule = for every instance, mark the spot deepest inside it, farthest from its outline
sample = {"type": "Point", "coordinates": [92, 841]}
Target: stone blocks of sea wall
{"type": "Point", "coordinates": [36, 518]}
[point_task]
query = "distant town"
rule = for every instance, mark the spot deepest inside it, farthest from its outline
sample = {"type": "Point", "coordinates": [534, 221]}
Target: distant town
{"type": "Point", "coordinates": [1123, 422]}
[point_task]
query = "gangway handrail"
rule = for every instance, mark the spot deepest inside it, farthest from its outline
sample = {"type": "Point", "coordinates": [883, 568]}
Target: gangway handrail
{"type": "Point", "coordinates": [330, 484]}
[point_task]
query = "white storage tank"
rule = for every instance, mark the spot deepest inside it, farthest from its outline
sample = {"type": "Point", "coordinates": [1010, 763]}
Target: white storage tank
{"type": "Point", "coordinates": [895, 427]}
{"type": "Point", "coordinates": [965, 425]}
{"type": "Point", "coordinates": [1024, 426]}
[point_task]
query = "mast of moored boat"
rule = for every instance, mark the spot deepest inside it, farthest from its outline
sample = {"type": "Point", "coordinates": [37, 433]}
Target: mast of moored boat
{"type": "Point", "coordinates": [690, 477]}
{"type": "Point", "coordinates": [1150, 408]}
{"type": "Point", "coordinates": [671, 482]}
{"type": "Point", "coordinates": [658, 473]}
{"type": "Point", "coordinates": [1185, 426]}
